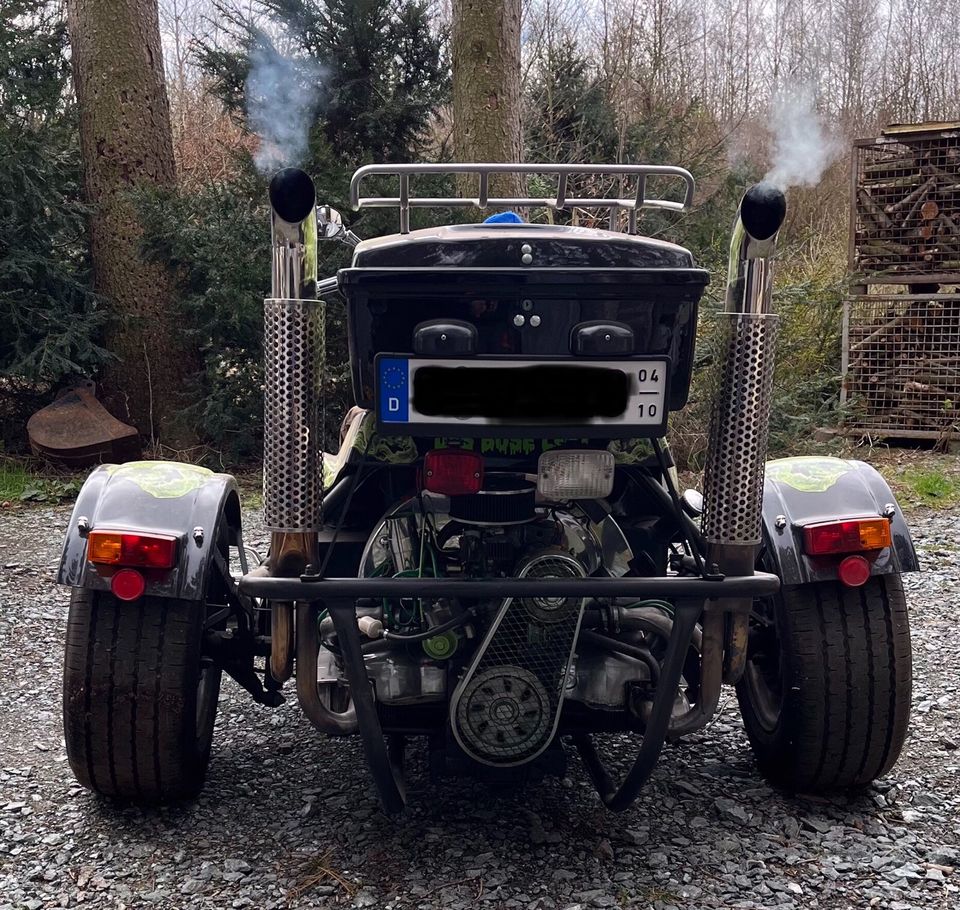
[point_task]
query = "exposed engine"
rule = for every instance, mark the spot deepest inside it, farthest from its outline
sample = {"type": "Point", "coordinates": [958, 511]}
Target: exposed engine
{"type": "Point", "coordinates": [502, 670]}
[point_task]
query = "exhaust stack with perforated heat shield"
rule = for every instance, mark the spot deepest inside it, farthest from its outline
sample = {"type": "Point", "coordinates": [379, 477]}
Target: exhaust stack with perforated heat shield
{"type": "Point", "coordinates": [733, 476]}
{"type": "Point", "coordinates": [293, 338]}
{"type": "Point", "coordinates": [293, 344]}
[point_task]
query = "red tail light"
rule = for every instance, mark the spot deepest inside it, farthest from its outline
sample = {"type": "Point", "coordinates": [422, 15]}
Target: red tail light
{"type": "Point", "coordinates": [122, 548]}
{"type": "Point", "coordinates": [452, 472]}
{"type": "Point", "coordinates": [853, 536]}
{"type": "Point", "coordinates": [854, 571]}
{"type": "Point", "coordinates": [128, 584]}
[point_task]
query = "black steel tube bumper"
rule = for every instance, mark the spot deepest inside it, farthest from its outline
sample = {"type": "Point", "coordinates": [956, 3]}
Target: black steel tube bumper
{"type": "Point", "coordinates": [339, 595]}
{"type": "Point", "coordinates": [309, 589]}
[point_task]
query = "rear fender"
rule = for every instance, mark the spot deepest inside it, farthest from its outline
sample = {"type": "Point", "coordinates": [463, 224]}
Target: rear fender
{"type": "Point", "coordinates": [800, 491]}
{"type": "Point", "coordinates": [162, 496]}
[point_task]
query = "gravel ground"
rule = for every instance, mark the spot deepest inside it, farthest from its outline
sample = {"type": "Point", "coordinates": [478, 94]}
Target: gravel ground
{"type": "Point", "coordinates": [288, 817]}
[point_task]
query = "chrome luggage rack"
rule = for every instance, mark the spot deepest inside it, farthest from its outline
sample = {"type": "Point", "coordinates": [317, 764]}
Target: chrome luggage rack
{"type": "Point", "coordinates": [563, 172]}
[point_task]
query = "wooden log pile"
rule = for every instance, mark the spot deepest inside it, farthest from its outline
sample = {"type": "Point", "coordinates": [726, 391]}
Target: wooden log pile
{"type": "Point", "coordinates": [908, 208]}
{"type": "Point", "coordinates": [904, 362]}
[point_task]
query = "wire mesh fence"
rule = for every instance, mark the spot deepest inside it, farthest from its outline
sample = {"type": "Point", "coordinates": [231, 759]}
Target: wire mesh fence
{"type": "Point", "coordinates": [906, 205]}
{"type": "Point", "coordinates": [902, 364]}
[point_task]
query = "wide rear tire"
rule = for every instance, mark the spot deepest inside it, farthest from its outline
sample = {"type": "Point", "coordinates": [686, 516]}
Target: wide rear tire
{"type": "Point", "coordinates": [138, 704]}
{"type": "Point", "coordinates": [826, 695]}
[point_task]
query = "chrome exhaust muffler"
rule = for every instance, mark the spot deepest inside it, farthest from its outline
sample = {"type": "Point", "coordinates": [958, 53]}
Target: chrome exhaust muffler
{"type": "Point", "coordinates": [293, 341]}
{"type": "Point", "coordinates": [739, 426]}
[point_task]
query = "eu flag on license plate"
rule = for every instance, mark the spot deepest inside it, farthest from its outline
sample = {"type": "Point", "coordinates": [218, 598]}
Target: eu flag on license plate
{"type": "Point", "coordinates": [394, 397]}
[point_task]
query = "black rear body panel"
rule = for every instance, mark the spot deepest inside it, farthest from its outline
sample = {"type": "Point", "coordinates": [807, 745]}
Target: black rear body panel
{"type": "Point", "coordinates": [524, 288]}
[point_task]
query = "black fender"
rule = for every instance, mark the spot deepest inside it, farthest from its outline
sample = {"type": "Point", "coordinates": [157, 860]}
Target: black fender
{"type": "Point", "coordinates": [804, 490]}
{"type": "Point", "coordinates": [162, 496]}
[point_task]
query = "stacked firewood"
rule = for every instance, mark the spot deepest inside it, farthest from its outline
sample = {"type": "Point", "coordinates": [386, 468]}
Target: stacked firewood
{"type": "Point", "coordinates": [904, 361]}
{"type": "Point", "coordinates": [908, 208]}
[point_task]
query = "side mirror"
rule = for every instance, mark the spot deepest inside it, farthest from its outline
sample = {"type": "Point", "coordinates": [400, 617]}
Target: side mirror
{"type": "Point", "coordinates": [330, 223]}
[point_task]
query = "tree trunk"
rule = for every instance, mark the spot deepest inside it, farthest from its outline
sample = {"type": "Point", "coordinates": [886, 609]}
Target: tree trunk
{"type": "Point", "coordinates": [126, 142]}
{"type": "Point", "coordinates": [486, 88]}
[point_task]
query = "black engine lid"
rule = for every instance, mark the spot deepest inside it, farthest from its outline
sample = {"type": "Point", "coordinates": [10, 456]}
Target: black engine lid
{"type": "Point", "coordinates": [518, 245]}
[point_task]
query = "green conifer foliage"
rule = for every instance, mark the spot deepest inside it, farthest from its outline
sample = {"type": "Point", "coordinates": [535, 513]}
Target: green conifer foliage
{"type": "Point", "coordinates": [49, 323]}
{"type": "Point", "coordinates": [380, 72]}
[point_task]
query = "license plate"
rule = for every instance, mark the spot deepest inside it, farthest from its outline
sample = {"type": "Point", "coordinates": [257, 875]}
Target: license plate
{"type": "Point", "coordinates": [554, 397]}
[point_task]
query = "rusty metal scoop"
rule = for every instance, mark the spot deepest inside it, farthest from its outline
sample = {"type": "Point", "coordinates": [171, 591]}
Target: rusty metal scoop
{"type": "Point", "coordinates": [76, 430]}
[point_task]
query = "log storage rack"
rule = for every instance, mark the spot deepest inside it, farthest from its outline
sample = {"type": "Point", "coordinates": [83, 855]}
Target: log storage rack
{"type": "Point", "coordinates": [901, 320]}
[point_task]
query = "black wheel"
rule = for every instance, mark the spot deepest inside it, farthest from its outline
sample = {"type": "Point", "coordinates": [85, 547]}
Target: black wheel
{"type": "Point", "coordinates": [826, 693]}
{"type": "Point", "coordinates": [139, 703]}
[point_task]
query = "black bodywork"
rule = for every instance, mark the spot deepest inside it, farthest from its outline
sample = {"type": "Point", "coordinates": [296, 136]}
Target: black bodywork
{"type": "Point", "coordinates": [493, 276]}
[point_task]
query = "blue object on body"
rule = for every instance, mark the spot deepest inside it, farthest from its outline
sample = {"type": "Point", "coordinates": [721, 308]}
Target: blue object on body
{"type": "Point", "coordinates": [394, 391]}
{"type": "Point", "coordinates": [504, 218]}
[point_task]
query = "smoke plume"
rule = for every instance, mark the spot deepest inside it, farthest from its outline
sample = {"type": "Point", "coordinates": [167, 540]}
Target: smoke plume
{"type": "Point", "coordinates": [802, 145]}
{"type": "Point", "coordinates": [282, 94]}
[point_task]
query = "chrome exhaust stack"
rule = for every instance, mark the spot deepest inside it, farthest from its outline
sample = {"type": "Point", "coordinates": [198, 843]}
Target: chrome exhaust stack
{"type": "Point", "coordinates": [739, 426]}
{"type": "Point", "coordinates": [293, 342]}
{"type": "Point", "coordinates": [293, 229]}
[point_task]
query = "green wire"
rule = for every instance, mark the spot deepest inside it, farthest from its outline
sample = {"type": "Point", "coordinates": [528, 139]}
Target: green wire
{"type": "Point", "coordinates": [423, 540]}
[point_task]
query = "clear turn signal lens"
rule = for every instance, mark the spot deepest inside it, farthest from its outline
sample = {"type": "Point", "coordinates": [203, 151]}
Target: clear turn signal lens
{"type": "Point", "coordinates": [575, 474]}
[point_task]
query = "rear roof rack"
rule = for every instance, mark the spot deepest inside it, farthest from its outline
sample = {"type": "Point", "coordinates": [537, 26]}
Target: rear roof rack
{"type": "Point", "coordinates": [563, 172]}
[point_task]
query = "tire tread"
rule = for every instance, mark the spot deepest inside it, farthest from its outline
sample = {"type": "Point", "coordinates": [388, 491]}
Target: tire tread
{"type": "Point", "coordinates": [847, 679]}
{"type": "Point", "coordinates": [130, 671]}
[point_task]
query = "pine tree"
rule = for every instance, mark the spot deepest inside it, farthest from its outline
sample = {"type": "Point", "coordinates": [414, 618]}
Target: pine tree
{"type": "Point", "coordinates": [48, 317]}
{"type": "Point", "coordinates": [380, 73]}
{"type": "Point", "coordinates": [569, 117]}
{"type": "Point", "coordinates": [379, 66]}
{"type": "Point", "coordinates": [49, 321]}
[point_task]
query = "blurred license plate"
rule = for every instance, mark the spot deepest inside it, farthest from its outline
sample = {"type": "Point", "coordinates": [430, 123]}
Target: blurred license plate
{"type": "Point", "coordinates": [555, 395]}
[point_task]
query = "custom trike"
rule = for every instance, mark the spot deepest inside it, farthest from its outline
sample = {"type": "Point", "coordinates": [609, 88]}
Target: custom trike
{"type": "Point", "coordinates": [498, 562]}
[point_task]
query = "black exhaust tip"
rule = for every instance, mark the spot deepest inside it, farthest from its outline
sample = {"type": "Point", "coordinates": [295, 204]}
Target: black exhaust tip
{"type": "Point", "coordinates": [763, 209]}
{"type": "Point", "coordinates": [292, 194]}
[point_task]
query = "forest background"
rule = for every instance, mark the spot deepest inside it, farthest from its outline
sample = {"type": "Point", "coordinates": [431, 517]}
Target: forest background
{"type": "Point", "coordinates": [731, 89]}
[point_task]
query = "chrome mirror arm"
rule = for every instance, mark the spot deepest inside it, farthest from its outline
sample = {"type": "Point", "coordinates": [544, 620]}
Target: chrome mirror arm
{"type": "Point", "coordinates": [331, 227]}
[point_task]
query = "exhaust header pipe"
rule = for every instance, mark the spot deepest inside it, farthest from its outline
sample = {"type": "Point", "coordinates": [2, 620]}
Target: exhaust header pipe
{"type": "Point", "coordinates": [739, 426]}
{"type": "Point", "coordinates": [293, 345]}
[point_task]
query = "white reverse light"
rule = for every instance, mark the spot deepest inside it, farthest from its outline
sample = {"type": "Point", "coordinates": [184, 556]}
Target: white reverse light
{"type": "Point", "coordinates": [575, 474]}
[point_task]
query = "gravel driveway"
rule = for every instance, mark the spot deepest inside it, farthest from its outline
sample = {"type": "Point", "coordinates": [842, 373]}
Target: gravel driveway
{"type": "Point", "coordinates": [288, 817]}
